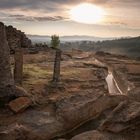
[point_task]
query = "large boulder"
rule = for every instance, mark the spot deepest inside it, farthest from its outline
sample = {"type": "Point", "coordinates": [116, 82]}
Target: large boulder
{"type": "Point", "coordinates": [20, 104]}
{"type": "Point", "coordinates": [97, 135]}
{"type": "Point", "coordinates": [122, 124]}
{"type": "Point", "coordinates": [66, 115]}
{"type": "Point", "coordinates": [125, 117]}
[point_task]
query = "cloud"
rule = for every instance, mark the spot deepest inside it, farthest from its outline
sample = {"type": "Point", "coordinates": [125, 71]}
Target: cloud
{"type": "Point", "coordinates": [57, 10]}
{"type": "Point", "coordinates": [117, 23]}
{"type": "Point", "coordinates": [37, 19]}
{"type": "Point", "coordinates": [4, 4]}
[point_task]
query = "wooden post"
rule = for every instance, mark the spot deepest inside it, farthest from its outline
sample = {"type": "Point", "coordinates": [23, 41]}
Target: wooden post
{"type": "Point", "coordinates": [56, 73]}
{"type": "Point", "coordinates": [18, 69]}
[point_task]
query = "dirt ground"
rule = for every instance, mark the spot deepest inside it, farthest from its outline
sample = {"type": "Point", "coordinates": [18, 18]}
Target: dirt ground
{"type": "Point", "coordinates": [80, 99]}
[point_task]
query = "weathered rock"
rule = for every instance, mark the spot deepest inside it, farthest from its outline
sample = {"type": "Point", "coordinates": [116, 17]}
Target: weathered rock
{"type": "Point", "coordinates": [5, 70]}
{"type": "Point", "coordinates": [18, 69]}
{"type": "Point", "coordinates": [19, 104]}
{"type": "Point", "coordinates": [16, 38]}
{"type": "Point", "coordinates": [85, 107]}
{"type": "Point", "coordinates": [8, 90]}
{"type": "Point", "coordinates": [20, 92]}
{"type": "Point", "coordinates": [56, 74]}
{"type": "Point", "coordinates": [14, 132]}
{"type": "Point", "coordinates": [125, 117]}
{"type": "Point", "coordinates": [6, 79]}
{"type": "Point", "coordinates": [122, 124]}
{"type": "Point", "coordinates": [69, 113]}
{"type": "Point", "coordinates": [135, 94]}
{"type": "Point", "coordinates": [96, 135]}
{"type": "Point", "coordinates": [126, 72]}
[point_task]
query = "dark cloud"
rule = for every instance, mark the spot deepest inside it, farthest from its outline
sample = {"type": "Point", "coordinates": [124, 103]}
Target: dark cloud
{"type": "Point", "coordinates": [52, 8]}
{"type": "Point", "coordinates": [4, 4]}
{"type": "Point", "coordinates": [37, 19]}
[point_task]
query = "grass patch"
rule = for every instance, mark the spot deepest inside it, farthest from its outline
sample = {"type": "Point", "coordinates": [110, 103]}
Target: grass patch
{"type": "Point", "coordinates": [33, 74]}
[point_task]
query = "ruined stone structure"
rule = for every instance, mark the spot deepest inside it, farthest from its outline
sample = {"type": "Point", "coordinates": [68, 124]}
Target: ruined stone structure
{"type": "Point", "coordinates": [8, 90]}
{"type": "Point", "coordinates": [56, 74]}
{"type": "Point", "coordinates": [16, 41]}
{"type": "Point", "coordinates": [5, 70]}
{"type": "Point", "coordinates": [16, 38]}
{"type": "Point", "coordinates": [18, 69]}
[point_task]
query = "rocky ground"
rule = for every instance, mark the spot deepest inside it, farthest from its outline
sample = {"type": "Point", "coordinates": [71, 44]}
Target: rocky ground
{"type": "Point", "coordinates": [80, 108]}
{"type": "Point", "coordinates": [126, 71]}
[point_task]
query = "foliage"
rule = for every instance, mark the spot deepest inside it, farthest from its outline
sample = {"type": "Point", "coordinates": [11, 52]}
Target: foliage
{"type": "Point", "coordinates": [55, 41]}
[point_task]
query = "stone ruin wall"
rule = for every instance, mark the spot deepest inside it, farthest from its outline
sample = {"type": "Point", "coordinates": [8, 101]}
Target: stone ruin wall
{"type": "Point", "coordinates": [16, 38]}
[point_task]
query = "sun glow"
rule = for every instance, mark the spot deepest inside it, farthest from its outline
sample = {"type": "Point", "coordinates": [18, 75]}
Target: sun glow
{"type": "Point", "coordinates": [87, 13]}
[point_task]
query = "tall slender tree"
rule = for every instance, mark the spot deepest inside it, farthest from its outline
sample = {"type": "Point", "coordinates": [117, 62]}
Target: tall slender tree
{"type": "Point", "coordinates": [55, 41]}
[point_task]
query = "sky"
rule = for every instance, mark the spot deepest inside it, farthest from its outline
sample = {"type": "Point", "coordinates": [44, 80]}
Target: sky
{"type": "Point", "coordinates": [47, 17]}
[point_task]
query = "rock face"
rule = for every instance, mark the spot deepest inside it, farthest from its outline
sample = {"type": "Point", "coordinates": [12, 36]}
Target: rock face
{"type": "Point", "coordinates": [16, 132]}
{"type": "Point", "coordinates": [125, 117]}
{"type": "Point", "coordinates": [83, 100]}
{"type": "Point", "coordinates": [126, 72]}
{"type": "Point", "coordinates": [16, 38]}
{"type": "Point", "coordinates": [97, 135]}
{"type": "Point", "coordinates": [18, 69]}
{"type": "Point", "coordinates": [122, 124]}
{"type": "Point", "coordinates": [6, 79]}
{"type": "Point", "coordinates": [5, 70]}
{"type": "Point", "coordinates": [8, 90]}
{"type": "Point", "coordinates": [56, 74]}
{"type": "Point", "coordinates": [68, 114]}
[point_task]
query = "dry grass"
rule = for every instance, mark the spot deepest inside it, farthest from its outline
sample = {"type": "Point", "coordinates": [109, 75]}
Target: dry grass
{"type": "Point", "coordinates": [38, 58]}
{"type": "Point", "coordinates": [34, 74]}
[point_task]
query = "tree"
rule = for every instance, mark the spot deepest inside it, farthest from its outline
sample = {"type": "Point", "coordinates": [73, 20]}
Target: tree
{"type": "Point", "coordinates": [55, 41]}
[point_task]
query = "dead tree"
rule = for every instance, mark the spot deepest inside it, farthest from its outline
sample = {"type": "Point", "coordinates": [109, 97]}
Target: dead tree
{"type": "Point", "coordinates": [56, 73]}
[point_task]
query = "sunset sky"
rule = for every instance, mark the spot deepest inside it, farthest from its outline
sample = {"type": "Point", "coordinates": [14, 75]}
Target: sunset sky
{"type": "Point", "coordinates": [103, 18]}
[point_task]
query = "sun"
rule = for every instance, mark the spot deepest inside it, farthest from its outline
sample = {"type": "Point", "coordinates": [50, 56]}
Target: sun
{"type": "Point", "coordinates": [87, 13]}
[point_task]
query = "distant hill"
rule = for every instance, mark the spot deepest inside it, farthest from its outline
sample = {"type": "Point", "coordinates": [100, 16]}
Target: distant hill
{"type": "Point", "coordinates": [41, 39]}
{"type": "Point", "coordinates": [128, 46]}
{"type": "Point", "coordinates": [123, 46]}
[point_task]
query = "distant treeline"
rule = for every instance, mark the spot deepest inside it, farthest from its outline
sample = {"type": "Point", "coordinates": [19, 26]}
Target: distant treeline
{"type": "Point", "coordinates": [123, 46]}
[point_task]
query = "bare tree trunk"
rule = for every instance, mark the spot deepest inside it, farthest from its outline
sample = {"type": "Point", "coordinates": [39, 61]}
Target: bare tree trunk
{"type": "Point", "coordinates": [18, 69]}
{"type": "Point", "coordinates": [56, 73]}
